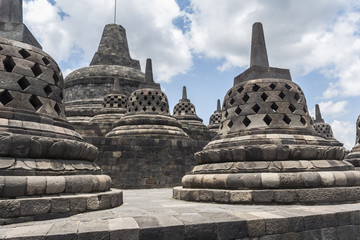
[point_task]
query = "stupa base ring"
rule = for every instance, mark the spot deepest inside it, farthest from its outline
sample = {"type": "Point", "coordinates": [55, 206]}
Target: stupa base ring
{"type": "Point", "coordinates": [306, 196]}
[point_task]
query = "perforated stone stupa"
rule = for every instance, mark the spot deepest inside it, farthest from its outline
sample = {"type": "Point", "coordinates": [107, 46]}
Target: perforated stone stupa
{"type": "Point", "coordinates": [322, 128]}
{"type": "Point", "coordinates": [185, 113]}
{"type": "Point", "coordinates": [85, 88]}
{"type": "Point", "coordinates": [148, 114]}
{"type": "Point", "coordinates": [266, 150]}
{"type": "Point", "coordinates": [41, 155]}
{"type": "Point", "coordinates": [215, 118]}
{"type": "Point", "coordinates": [354, 156]}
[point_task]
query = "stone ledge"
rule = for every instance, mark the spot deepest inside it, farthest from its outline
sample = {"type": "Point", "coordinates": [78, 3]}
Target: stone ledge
{"type": "Point", "coordinates": [304, 196]}
{"type": "Point", "coordinates": [47, 207]}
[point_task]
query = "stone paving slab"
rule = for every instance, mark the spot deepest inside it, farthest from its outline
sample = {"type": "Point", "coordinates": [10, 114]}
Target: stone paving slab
{"type": "Point", "coordinates": [154, 214]}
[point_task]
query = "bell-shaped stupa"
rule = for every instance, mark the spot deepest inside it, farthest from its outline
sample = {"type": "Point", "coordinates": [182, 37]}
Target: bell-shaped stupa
{"type": "Point", "coordinates": [184, 112]}
{"type": "Point", "coordinates": [266, 150]}
{"type": "Point", "coordinates": [215, 118]}
{"type": "Point", "coordinates": [85, 88]}
{"type": "Point", "coordinates": [321, 127]}
{"type": "Point", "coordinates": [148, 114]}
{"type": "Point", "coordinates": [41, 155]}
{"type": "Point", "coordinates": [354, 156]}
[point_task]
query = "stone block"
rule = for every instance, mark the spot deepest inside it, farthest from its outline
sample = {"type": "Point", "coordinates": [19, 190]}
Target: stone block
{"type": "Point", "coordinates": [77, 204]}
{"type": "Point", "coordinates": [36, 185]}
{"type": "Point", "coordinates": [329, 233]}
{"type": "Point", "coordinates": [296, 224]}
{"type": "Point", "coordinates": [286, 196]}
{"type": "Point", "coordinates": [256, 228]}
{"type": "Point", "coordinates": [270, 237]}
{"type": "Point", "coordinates": [343, 218]}
{"type": "Point", "coordinates": [86, 184]}
{"type": "Point", "coordinates": [292, 236]}
{"type": "Point", "coordinates": [95, 229]}
{"type": "Point", "coordinates": [221, 196]}
{"type": "Point", "coordinates": [123, 228]}
{"type": "Point", "coordinates": [206, 195]}
{"type": "Point", "coordinates": [270, 180]}
{"type": "Point", "coordinates": [313, 222]}
{"type": "Point", "coordinates": [340, 178]}
{"type": "Point", "coordinates": [92, 203]}
{"type": "Point", "coordinates": [73, 184]}
{"type": "Point", "coordinates": [63, 231]}
{"type": "Point", "coordinates": [60, 205]}
{"type": "Point", "coordinates": [311, 234]}
{"type": "Point", "coordinates": [201, 231]}
{"type": "Point", "coordinates": [9, 208]}
{"type": "Point", "coordinates": [329, 220]}
{"type": "Point", "coordinates": [30, 207]}
{"type": "Point", "coordinates": [355, 217]}
{"type": "Point", "coordinates": [241, 196]}
{"type": "Point", "coordinates": [55, 184]}
{"type": "Point", "coordinates": [346, 232]}
{"type": "Point", "coordinates": [263, 196]}
{"type": "Point", "coordinates": [276, 226]}
{"type": "Point", "coordinates": [14, 186]}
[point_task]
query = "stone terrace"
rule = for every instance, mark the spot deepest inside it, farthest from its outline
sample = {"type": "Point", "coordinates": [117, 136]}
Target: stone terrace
{"type": "Point", "coordinates": [153, 214]}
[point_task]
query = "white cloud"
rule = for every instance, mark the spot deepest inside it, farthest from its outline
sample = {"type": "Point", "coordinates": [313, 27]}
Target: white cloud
{"type": "Point", "coordinates": [344, 132]}
{"type": "Point", "coordinates": [331, 109]}
{"type": "Point", "coordinates": [149, 26]}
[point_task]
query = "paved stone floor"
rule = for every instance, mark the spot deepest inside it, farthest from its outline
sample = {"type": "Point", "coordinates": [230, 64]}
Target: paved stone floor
{"type": "Point", "coordinates": [153, 214]}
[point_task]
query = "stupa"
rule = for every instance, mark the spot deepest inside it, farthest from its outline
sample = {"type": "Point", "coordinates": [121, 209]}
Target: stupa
{"type": "Point", "coordinates": [41, 156]}
{"type": "Point", "coordinates": [148, 114]}
{"type": "Point", "coordinates": [85, 88]}
{"type": "Point", "coordinates": [322, 128]}
{"type": "Point", "coordinates": [266, 150]}
{"type": "Point", "coordinates": [185, 113]}
{"type": "Point", "coordinates": [215, 118]}
{"type": "Point", "coordinates": [354, 156]}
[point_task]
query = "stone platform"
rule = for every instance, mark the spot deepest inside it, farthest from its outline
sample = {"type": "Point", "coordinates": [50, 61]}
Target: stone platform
{"type": "Point", "coordinates": [153, 214]}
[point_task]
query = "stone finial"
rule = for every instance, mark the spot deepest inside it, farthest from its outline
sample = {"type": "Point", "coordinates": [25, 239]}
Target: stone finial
{"type": "Point", "coordinates": [116, 88]}
{"type": "Point", "coordinates": [318, 118]}
{"type": "Point", "coordinates": [114, 49]}
{"type": "Point", "coordinates": [184, 95]}
{"type": "Point", "coordinates": [11, 11]}
{"type": "Point", "coordinates": [258, 47]}
{"type": "Point", "coordinates": [218, 108]}
{"type": "Point", "coordinates": [148, 71]}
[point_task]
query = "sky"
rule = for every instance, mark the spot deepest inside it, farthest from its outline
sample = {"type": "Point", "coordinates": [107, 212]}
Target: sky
{"type": "Point", "coordinates": [204, 44]}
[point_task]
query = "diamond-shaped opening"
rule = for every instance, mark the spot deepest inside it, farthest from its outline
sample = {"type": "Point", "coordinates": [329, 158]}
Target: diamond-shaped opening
{"type": "Point", "coordinates": [226, 114]}
{"type": "Point", "coordinates": [153, 97]}
{"type": "Point", "coordinates": [5, 97]}
{"type": "Point", "coordinates": [246, 121]}
{"type": "Point", "coordinates": [274, 107]}
{"type": "Point", "coordinates": [272, 86]}
{"type": "Point", "coordinates": [133, 103]}
{"type": "Point", "coordinates": [230, 124]}
{"type": "Point", "coordinates": [142, 93]}
{"type": "Point", "coordinates": [299, 89]}
{"type": "Point", "coordinates": [160, 98]}
{"type": "Point", "coordinates": [23, 83]}
{"type": "Point", "coordinates": [246, 97]}
{"type": "Point", "coordinates": [56, 79]}
{"type": "Point", "coordinates": [162, 109]}
{"type": "Point", "coordinates": [25, 54]}
{"type": "Point", "coordinates": [36, 69]}
{"type": "Point", "coordinates": [255, 88]}
{"type": "Point", "coordinates": [230, 92]}
{"type": "Point", "coordinates": [240, 89]}
{"type": "Point", "coordinates": [35, 102]}
{"type": "Point", "coordinates": [46, 61]}
{"type": "Point", "coordinates": [256, 108]}
{"type": "Point", "coordinates": [157, 103]}
{"type": "Point", "coordinates": [144, 108]}
{"type": "Point", "coordinates": [153, 108]}
{"type": "Point", "coordinates": [156, 93]}
{"type": "Point", "coordinates": [292, 108]}
{"type": "Point", "coordinates": [288, 86]}
{"type": "Point", "coordinates": [232, 101]}
{"type": "Point", "coordinates": [57, 109]}
{"type": "Point", "coordinates": [140, 103]}
{"type": "Point", "coordinates": [264, 96]}
{"type": "Point", "coordinates": [1, 48]}
{"type": "Point", "coordinates": [148, 103]}
{"type": "Point", "coordinates": [136, 109]}
{"type": "Point", "coordinates": [9, 64]}
{"type": "Point", "coordinates": [48, 90]}
{"type": "Point", "coordinates": [145, 98]}
{"type": "Point", "coordinates": [238, 110]}
{"type": "Point", "coordinates": [303, 121]}
{"type": "Point", "coordinates": [281, 95]}
{"type": "Point", "coordinates": [150, 93]}
{"type": "Point", "coordinates": [61, 95]}
{"type": "Point", "coordinates": [304, 109]}
{"type": "Point", "coordinates": [296, 96]}
{"type": "Point", "coordinates": [267, 119]}
{"type": "Point", "coordinates": [286, 119]}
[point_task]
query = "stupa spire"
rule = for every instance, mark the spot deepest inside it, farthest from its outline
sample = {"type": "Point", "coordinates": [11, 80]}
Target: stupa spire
{"type": "Point", "coordinates": [184, 94]}
{"type": "Point", "coordinates": [11, 11]}
{"type": "Point", "coordinates": [149, 78]}
{"type": "Point", "coordinates": [218, 108]}
{"type": "Point", "coordinates": [114, 49]}
{"type": "Point", "coordinates": [318, 118]}
{"type": "Point", "coordinates": [258, 47]}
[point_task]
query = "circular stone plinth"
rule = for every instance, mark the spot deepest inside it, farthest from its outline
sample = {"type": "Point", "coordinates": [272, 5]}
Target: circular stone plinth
{"type": "Point", "coordinates": [27, 209]}
{"type": "Point", "coordinates": [270, 196]}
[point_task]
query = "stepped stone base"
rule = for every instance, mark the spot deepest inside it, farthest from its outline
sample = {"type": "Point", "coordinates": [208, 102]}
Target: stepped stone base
{"type": "Point", "coordinates": [55, 206]}
{"type": "Point", "coordinates": [152, 214]}
{"type": "Point", "coordinates": [270, 196]}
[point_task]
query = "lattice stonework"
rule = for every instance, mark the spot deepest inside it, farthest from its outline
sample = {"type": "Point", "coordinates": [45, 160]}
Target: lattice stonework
{"type": "Point", "coordinates": [184, 108]}
{"type": "Point", "coordinates": [265, 104]}
{"type": "Point", "coordinates": [148, 100]}
{"type": "Point", "coordinates": [34, 81]}
{"type": "Point", "coordinates": [115, 101]}
{"type": "Point", "coordinates": [324, 130]}
{"type": "Point", "coordinates": [215, 118]}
